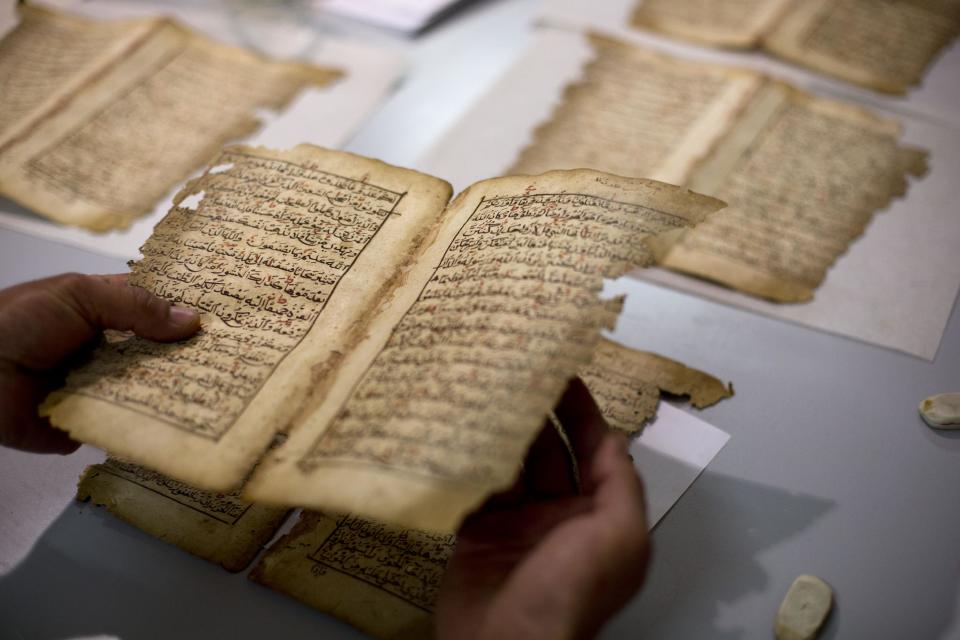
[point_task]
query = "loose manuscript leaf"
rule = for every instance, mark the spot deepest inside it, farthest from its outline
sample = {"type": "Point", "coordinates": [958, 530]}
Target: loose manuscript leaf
{"type": "Point", "coordinates": [885, 46]}
{"type": "Point", "coordinates": [104, 118]}
{"type": "Point", "coordinates": [803, 175]}
{"type": "Point", "coordinates": [728, 23]}
{"type": "Point", "coordinates": [221, 528]}
{"type": "Point", "coordinates": [284, 255]}
{"type": "Point", "coordinates": [435, 410]}
{"type": "Point", "coordinates": [381, 579]}
{"type": "Point", "coordinates": [627, 383]}
{"type": "Point", "coordinates": [50, 55]}
{"type": "Point", "coordinates": [638, 113]}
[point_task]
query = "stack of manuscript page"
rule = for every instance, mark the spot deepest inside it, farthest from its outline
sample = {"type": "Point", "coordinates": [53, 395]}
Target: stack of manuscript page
{"type": "Point", "coordinates": [411, 349]}
{"type": "Point", "coordinates": [885, 46]}
{"type": "Point", "coordinates": [219, 527]}
{"type": "Point", "coordinates": [99, 119]}
{"type": "Point", "coordinates": [379, 578]}
{"type": "Point", "coordinates": [803, 175]}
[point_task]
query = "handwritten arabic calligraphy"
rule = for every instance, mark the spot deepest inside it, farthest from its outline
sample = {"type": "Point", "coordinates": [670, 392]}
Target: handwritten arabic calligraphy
{"type": "Point", "coordinates": [224, 507]}
{"type": "Point", "coordinates": [515, 294]}
{"type": "Point", "coordinates": [404, 562]}
{"type": "Point", "coordinates": [261, 255]}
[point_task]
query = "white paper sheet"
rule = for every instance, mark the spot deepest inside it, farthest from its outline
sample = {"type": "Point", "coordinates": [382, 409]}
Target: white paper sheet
{"type": "Point", "coordinates": [327, 117]}
{"type": "Point", "coordinates": [671, 453]}
{"type": "Point", "coordinates": [937, 97]}
{"type": "Point", "coordinates": [896, 285]}
{"type": "Point", "coordinates": [408, 16]}
{"type": "Point", "coordinates": [34, 490]}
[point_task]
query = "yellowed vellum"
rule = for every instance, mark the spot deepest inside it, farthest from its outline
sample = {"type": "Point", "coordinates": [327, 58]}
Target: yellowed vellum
{"type": "Point", "coordinates": [885, 46]}
{"type": "Point", "coordinates": [435, 410]}
{"type": "Point", "coordinates": [638, 113]}
{"type": "Point", "coordinates": [381, 579]}
{"type": "Point", "coordinates": [141, 114]}
{"type": "Point", "coordinates": [626, 384]}
{"type": "Point", "coordinates": [285, 256]}
{"type": "Point", "coordinates": [217, 527]}
{"type": "Point", "coordinates": [50, 55]}
{"type": "Point", "coordinates": [728, 23]}
{"type": "Point", "coordinates": [803, 177]}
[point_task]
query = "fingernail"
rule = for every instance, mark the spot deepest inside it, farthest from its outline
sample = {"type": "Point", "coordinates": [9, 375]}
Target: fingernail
{"type": "Point", "coordinates": [183, 315]}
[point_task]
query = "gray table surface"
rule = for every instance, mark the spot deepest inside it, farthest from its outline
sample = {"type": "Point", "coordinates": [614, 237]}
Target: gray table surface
{"type": "Point", "coordinates": [829, 471]}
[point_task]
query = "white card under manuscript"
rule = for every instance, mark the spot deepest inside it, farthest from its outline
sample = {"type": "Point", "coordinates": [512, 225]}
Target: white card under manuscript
{"type": "Point", "coordinates": [904, 263]}
{"type": "Point", "coordinates": [671, 454]}
{"type": "Point", "coordinates": [326, 117]}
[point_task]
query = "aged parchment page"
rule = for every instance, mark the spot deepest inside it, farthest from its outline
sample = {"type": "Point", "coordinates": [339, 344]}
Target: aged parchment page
{"type": "Point", "coordinates": [326, 116]}
{"type": "Point", "coordinates": [795, 212]}
{"type": "Point", "coordinates": [384, 580]}
{"type": "Point", "coordinates": [803, 176]}
{"type": "Point", "coordinates": [729, 23]}
{"type": "Point", "coordinates": [218, 527]}
{"type": "Point", "coordinates": [285, 255]}
{"type": "Point", "coordinates": [436, 409]}
{"type": "Point", "coordinates": [381, 579]}
{"type": "Point", "coordinates": [936, 97]}
{"type": "Point", "coordinates": [104, 153]}
{"type": "Point", "coordinates": [638, 113]}
{"type": "Point", "coordinates": [626, 384]}
{"type": "Point", "coordinates": [886, 46]}
{"type": "Point", "coordinates": [910, 249]}
{"type": "Point", "coordinates": [49, 55]}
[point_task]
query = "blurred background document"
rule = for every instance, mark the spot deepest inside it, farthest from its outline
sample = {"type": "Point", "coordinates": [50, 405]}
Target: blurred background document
{"type": "Point", "coordinates": [326, 116]}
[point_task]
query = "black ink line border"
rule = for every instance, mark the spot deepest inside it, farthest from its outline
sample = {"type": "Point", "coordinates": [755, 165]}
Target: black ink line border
{"type": "Point", "coordinates": [102, 468]}
{"type": "Point", "coordinates": [319, 548]}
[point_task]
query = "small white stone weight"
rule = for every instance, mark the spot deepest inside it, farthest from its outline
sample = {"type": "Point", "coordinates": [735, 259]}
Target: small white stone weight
{"type": "Point", "coordinates": [804, 608]}
{"type": "Point", "coordinates": [941, 411]}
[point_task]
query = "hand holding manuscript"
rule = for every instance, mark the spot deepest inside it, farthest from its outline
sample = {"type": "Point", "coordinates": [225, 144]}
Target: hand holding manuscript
{"type": "Point", "coordinates": [229, 531]}
{"type": "Point", "coordinates": [100, 119]}
{"type": "Point", "coordinates": [378, 578]}
{"type": "Point", "coordinates": [410, 351]}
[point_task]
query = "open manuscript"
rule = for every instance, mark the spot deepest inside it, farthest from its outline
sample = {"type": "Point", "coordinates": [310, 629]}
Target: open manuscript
{"type": "Point", "coordinates": [410, 347]}
{"type": "Point", "coordinates": [885, 45]}
{"type": "Point", "coordinates": [98, 120]}
{"type": "Point", "coordinates": [381, 579]}
{"type": "Point", "coordinates": [803, 175]}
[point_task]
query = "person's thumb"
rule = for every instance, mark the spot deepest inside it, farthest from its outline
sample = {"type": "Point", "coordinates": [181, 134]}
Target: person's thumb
{"type": "Point", "coordinates": [108, 302]}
